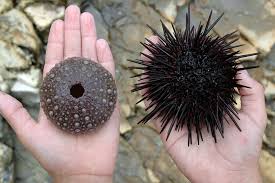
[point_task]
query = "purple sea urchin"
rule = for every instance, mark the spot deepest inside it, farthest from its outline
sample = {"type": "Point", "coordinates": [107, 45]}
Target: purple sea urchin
{"type": "Point", "coordinates": [189, 79]}
{"type": "Point", "coordinates": [78, 95]}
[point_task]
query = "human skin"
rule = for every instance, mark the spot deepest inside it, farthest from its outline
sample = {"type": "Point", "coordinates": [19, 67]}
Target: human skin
{"type": "Point", "coordinates": [91, 158]}
{"type": "Point", "coordinates": [69, 158]}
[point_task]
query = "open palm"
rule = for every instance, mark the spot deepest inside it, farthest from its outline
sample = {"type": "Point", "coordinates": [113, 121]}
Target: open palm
{"type": "Point", "coordinates": [235, 154]}
{"type": "Point", "coordinates": [63, 154]}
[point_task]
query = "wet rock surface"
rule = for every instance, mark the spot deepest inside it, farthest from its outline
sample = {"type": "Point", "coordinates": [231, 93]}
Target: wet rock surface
{"type": "Point", "coordinates": [24, 27]}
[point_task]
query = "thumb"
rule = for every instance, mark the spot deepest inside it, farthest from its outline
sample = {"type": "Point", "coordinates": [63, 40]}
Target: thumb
{"type": "Point", "coordinates": [252, 97]}
{"type": "Point", "coordinates": [18, 118]}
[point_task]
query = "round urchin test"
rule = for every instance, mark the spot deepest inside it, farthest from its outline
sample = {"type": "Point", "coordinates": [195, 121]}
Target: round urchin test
{"type": "Point", "coordinates": [190, 79]}
{"type": "Point", "coordinates": [78, 95]}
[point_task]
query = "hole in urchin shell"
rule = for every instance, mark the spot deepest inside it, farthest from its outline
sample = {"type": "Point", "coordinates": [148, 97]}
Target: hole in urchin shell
{"type": "Point", "coordinates": [77, 90]}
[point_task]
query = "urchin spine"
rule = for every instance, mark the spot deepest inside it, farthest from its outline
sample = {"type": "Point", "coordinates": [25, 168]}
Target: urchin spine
{"type": "Point", "coordinates": [189, 79]}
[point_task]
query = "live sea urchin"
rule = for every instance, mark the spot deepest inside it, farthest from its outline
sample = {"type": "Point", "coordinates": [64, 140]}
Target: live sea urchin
{"type": "Point", "coordinates": [78, 95]}
{"type": "Point", "coordinates": [189, 79]}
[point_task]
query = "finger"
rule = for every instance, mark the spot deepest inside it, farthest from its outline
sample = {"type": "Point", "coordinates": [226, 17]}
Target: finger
{"type": "Point", "coordinates": [17, 117]}
{"type": "Point", "coordinates": [104, 55]}
{"type": "Point", "coordinates": [88, 35]}
{"type": "Point", "coordinates": [252, 98]}
{"type": "Point", "coordinates": [155, 40]}
{"type": "Point", "coordinates": [72, 32]}
{"type": "Point", "coordinates": [54, 53]}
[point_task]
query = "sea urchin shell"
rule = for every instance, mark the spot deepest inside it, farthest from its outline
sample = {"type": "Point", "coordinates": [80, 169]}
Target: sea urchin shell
{"type": "Point", "coordinates": [189, 79]}
{"type": "Point", "coordinates": [78, 95]}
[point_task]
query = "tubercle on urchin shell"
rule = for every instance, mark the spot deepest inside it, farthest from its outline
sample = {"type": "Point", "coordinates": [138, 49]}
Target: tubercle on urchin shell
{"type": "Point", "coordinates": [166, 86]}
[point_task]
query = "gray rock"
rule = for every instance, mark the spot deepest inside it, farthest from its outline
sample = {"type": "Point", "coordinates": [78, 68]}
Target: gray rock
{"type": "Point", "coordinates": [148, 144]}
{"type": "Point", "coordinates": [270, 133]}
{"type": "Point", "coordinates": [5, 133]}
{"type": "Point", "coordinates": [43, 14]}
{"type": "Point", "coordinates": [167, 9]}
{"type": "Point", "coordinates": [26, 87]}
{"type": "Point", "coordinates": [27, 94]}
{"type": "Point", "coordinates": [269, 89]}
{"type": "Point", "coordinates": [221, 28]}
{"type": "Point", "coordinates": [32, 77]}
{"type": "Point", "coordinates": [254, 21]}
{"type": "Point", "coordinates": [17, 29]}
{"type": "Point", "coordinates": [5, 5]}
{"type": "Point", "coordinates": [267, 167]}
{"type": "Point", "coordinates": [24, 3]}
{"type": "Point", "coordinates": [6, 164]}
{"type": "Point", "coordinates": [269, 65]}
{"type": "Point", "coordinates": [196, 17]}
{"type": "Point", "coordinates": [124, 115]}
{"type": "Point", "coordinates": [129, 168]}
{"type": "Point", "coordinates": [12, 56]}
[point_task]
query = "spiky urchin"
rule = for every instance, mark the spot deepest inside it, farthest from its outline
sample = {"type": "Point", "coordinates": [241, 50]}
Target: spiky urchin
{"type": "Point", "coordinates": [189, 79]}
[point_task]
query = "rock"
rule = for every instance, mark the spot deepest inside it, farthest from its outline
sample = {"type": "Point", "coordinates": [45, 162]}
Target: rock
{"type": "Point", "coordinates": [43, 14]}
{"type": "Point", "coordinates": [247, 48]}
{"type": "Point", "coordinates": [101, 26]}
{"type": "Point", "coordinates": [221, 30]}
{"type": "Point", "coordinates": [12, 57]}
{"type": "Point", "coordinates": [32, 77]}
{"type": "Point", "coordinates": [255, 23]}
{"type": "Point", "coordinates": [17, 29]}
{"type": "Point", "coordinates": [125, 113]}
{"type": "Point", "coordinates": [129, 19]}
{"type": "Point", "coordinates": [270, 133]}
{"type": "Point", "coordinates": [267, 162]}
{"type": "Point", "coordinates": [196, 17]}
{"type": "Point", "coordinates": [269, 65]}
{"type": "Point", "coordinates": [153, 178]}
{"type": "Point", "coordinates": [269, 88]}
{"type": "Point", "coordinates": [129, 168]}
{"type": "Point", "coordinates": [147, 15]}
{"type": "Point", "coordinates": [27, 94]}
{"type": "Point", "coordinates": [126, 109]}
{"type": "Point", "coordinates": [5, 133]}
{"type": "Point", "coordinates": [3, 85]}
{"type": "Point", "coordinates": [148, 144]}
{"type": "Point", "coordinates": [145, 141]}
{"type": "Point", "coordinates": [24, 3]}
{"type": "Point", "coordinates": [6, 164]}
{"type": "Point", "coordinates": [26, 86]}
{"type": "Point", "coordinates": [168, 9]}
{"type": "Point", "coordinates": [124, 126]}
{"type": "Point", "coordinates": [5, 5]}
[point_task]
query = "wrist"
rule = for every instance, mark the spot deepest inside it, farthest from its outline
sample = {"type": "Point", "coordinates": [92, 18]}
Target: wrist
{"type": "Point", "coordinates": [82, 179]}
{"type": "Point", "coordinates": [246, 176]}
{"type": "Point", "coordinates": [242, 176]}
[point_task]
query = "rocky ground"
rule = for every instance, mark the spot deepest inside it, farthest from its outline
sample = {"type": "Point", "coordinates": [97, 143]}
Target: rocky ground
{"type": "Point", "coordinates": [24, 27]}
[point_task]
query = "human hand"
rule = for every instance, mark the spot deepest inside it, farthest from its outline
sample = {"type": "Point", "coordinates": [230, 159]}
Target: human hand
{"type": "Point", "coordinates": [232, 159]}
{"type": "Point", "coordinates": [69, 158]}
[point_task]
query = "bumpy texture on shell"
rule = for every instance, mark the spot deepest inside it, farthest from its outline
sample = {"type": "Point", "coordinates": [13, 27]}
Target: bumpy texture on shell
{"type": "Point", "coordinates": [78, 95]}
{"type": "Point", "coordinates": [189, 79]}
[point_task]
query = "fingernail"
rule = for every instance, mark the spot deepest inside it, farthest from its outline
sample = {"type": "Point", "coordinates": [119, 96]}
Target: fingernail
{"type": "Point", "coordinates": [102, 43]}
{"type": "Point", "coordinates": [86, 18]}
{"type": "Point", "coordinates": [71, 13]}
